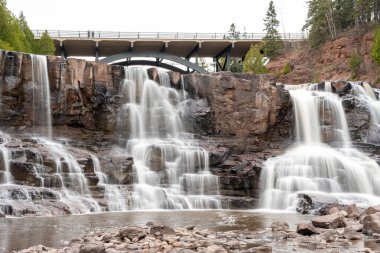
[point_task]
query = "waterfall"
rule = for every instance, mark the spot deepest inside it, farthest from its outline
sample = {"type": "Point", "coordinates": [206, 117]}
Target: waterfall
{"type": "Point", "coordinates": [171, 170]}
{"type": "Point", "coordinates": [5, 174]}
{"type": "Point", "coordinates": [366, 94]}
{"type": "Point", "coordinates": [41, 96]}
{"type": "Point", "coordinates": [313, 166]}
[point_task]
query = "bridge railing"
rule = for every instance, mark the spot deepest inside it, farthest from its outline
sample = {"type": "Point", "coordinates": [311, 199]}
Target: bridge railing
{"type": "Point", "coordinates": [65, 34]}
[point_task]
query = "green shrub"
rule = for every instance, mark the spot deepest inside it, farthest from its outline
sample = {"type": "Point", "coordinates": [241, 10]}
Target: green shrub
{"type": "Point", "coordinates": [355, 62]}
{"type": "Point", "coordinates": [254, 61]}
{"type": "Point", "coordinates": [375, 53]}
{"type": "Point", "coordinates": [287, 69]}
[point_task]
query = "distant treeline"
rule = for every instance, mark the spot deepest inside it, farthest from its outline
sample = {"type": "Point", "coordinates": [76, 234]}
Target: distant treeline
{"type": "Point", "coordinates": [327, 19]}
{"type": "Point", "coordinates": [15, 34]}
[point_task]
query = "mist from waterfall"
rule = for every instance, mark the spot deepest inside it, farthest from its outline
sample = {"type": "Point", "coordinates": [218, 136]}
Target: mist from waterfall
{"type": "Point", "coordinates": [312, 166]}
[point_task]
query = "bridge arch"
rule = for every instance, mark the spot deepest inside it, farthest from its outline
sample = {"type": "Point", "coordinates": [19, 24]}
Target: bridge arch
{"type": "Point", "coordinates": [158, 55]}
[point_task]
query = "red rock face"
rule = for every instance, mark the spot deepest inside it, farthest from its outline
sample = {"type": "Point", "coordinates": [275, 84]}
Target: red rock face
{"type": "Point", "coordinates": [330, 62]}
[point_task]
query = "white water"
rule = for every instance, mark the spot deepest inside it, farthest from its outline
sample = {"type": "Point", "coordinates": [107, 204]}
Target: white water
{"type": "Point", "coordinates": [5, 174]}
{"type": "Point", "coordinates": [41, 97]}
{"type": "Point", "coordinates": [313, 166]}
{"type": "Point", "coordinates": [171, 170]}
{"type": "Point", "coordinates": [67, 185]}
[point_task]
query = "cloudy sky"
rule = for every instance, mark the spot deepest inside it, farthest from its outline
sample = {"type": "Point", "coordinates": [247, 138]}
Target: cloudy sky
{"type": "Point", "coordinates": [158, 15]}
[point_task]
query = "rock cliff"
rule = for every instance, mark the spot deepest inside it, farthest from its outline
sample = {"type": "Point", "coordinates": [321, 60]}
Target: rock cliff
{"type": "Point", "coordinates": [241, 119]}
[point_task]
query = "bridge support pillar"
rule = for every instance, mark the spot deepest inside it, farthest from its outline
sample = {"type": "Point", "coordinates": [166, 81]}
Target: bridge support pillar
{"type": "Point", "coordinates": [62, 50]}
{"type": "Point", "coordinates": [97, 51]}
{"type": "Point", "coordinates": [227, 60]}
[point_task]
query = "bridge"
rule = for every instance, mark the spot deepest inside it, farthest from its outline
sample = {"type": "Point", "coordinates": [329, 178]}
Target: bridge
{"type": "Point", "coordinates": [134, 48]}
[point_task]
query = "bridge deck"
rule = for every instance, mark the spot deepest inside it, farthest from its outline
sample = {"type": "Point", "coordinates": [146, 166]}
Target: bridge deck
{"type": "Point", "coordinates": [104, 44]}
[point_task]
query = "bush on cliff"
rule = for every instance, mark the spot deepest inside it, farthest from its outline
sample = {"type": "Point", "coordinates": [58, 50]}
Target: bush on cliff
{"type": "Point", "coordinates": [375, 53]}
{"type": "Point", "coordinates": [355, 62]}
{"type": "Point", "coordinates": [254, 62]}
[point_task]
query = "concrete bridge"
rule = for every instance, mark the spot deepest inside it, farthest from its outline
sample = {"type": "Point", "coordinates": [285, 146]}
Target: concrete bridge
{"type": "Point", "coordinates": [134, 48]}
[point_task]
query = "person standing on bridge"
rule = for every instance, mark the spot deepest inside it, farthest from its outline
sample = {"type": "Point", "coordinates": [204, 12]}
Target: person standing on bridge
{"type": "Point", "coordinates": [93, 34]}
{"type": "Point", "coordinates": [88, 34]}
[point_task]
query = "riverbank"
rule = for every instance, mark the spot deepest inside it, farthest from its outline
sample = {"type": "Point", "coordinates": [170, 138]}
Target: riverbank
{"type": "Point", "coordinates": [194, 231]}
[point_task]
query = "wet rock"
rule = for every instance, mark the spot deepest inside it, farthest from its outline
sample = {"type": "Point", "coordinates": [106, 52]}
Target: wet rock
{"type": "Point", "coordinates": [306, 229]}
{"type": "Point", "coordinates": [279, 226]}
{"type": "Point", "coordinates": [311, 202]}
{"type": "Point", "coordinates": [162, 228]}
{"type": "Point", "coordinates": [260, 249]}
{"type": "Point", "coordinates": [92, 247]}
{"type": "Point", "coordinates": [353, 224]}
{"type": "Point", "coordinates": [156, 159]}
{"type": "Point", "coordinates": [353, 211]}
{"type": "Point", "coordinates": [175, 80]}
{"type": "Point", "coordinates": [311, 243]}
{"type": "Point", "coordinates": [329, 235]}
{"type": "Point", "coordinates": [371, 223]}
{"type": "Point", "coordinates": [351, 234]}
{"type": "Point", "coordinates": [132, 233]}
{"type": "Point", "coordinates": [372, 209]}
{"type": "Point", "coordinates": [25, 173]}
{"type": "Point", "coordinates": [216, 249]}
{"type": "Point", "coordinates": [328, 221]}
{"type": "Point", "coordinates": [334, 210]}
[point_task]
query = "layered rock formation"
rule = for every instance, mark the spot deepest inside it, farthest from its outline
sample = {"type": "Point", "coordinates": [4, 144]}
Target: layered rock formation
{"type": "Point", "coordinates": [241, 119]}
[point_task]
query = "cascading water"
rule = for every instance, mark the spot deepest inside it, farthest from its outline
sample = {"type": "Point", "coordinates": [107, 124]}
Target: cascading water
{"type": "Point", "coordinates": [60, 179]}
{"type": "Point", "coordinates": [41, 96]}
{"type": "Point", "coordinates": [315, 167]}
{"type": "Point", "coordinates": [5, 175]}
{"type": "Point", "coordinates": [171, 170]}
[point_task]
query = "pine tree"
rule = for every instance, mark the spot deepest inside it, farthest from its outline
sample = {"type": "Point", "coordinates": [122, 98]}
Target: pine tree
{"type": "Point", "coordinates": [254, 62]}
{"type": "Point", "coordinates": [233, 33]}
{"type": "Point", "coordinates": [343, 14]}
{"type": "Point", "coordinates": [45, 45]}
{"type": "Point", "coordinates": [30, 42]}
{"type": "Point", "coordinates": [272, 39]}
{"type": "Point", "coordinates": [316, 22]}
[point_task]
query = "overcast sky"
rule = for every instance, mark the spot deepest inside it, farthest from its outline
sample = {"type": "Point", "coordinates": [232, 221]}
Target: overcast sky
{"type": "Point", "coordinates": [158, 15]}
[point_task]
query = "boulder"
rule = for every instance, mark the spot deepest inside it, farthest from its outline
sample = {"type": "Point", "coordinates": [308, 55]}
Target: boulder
{"type": "Point", "coordinates": [92, 247]}
{"type": "Point", "coordinates": [351, 234]}
{"type": "Point", "coordinates": [132, 233]}
{"type": "Point", "coordinates": [279, 226]}
{"type": "Point", "coordinates": [329, 235]}
{"type": "Point", "coordinates": [306, 229]}
{"type": "Point", "coordinates": [371, 223]}
{"type": "Point", "coordinates": [353, 211]}
{"type": "Point", "coordinates": [328, 221]}
{"type": "Point", "coordinates": [309, 202]}
{"type": "Point", "coordinates": [372, 209]}
{"type": "Point", "coordinates": [161, 228]}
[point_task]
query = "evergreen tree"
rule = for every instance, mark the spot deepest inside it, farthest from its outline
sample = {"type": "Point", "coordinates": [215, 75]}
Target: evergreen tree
{"type": "Point", "coordinates": [344, 14]}
{"type": "Point", "coordinates": [45, 45]}
{"type": "Point", "coordinates": [30, 42]}
{"type": "Point", "coordinates": [254, 62]}
{"type": "Point", "coordinates": [272, 39]}
{"type": "Point", "coordinates": [317, 23]}
{"type": "Point", "coordinates": [233, 33]}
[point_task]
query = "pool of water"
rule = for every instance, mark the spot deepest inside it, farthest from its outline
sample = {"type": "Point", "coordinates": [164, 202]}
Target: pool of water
{"type": "Point", "coordinates": [21, 233]}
